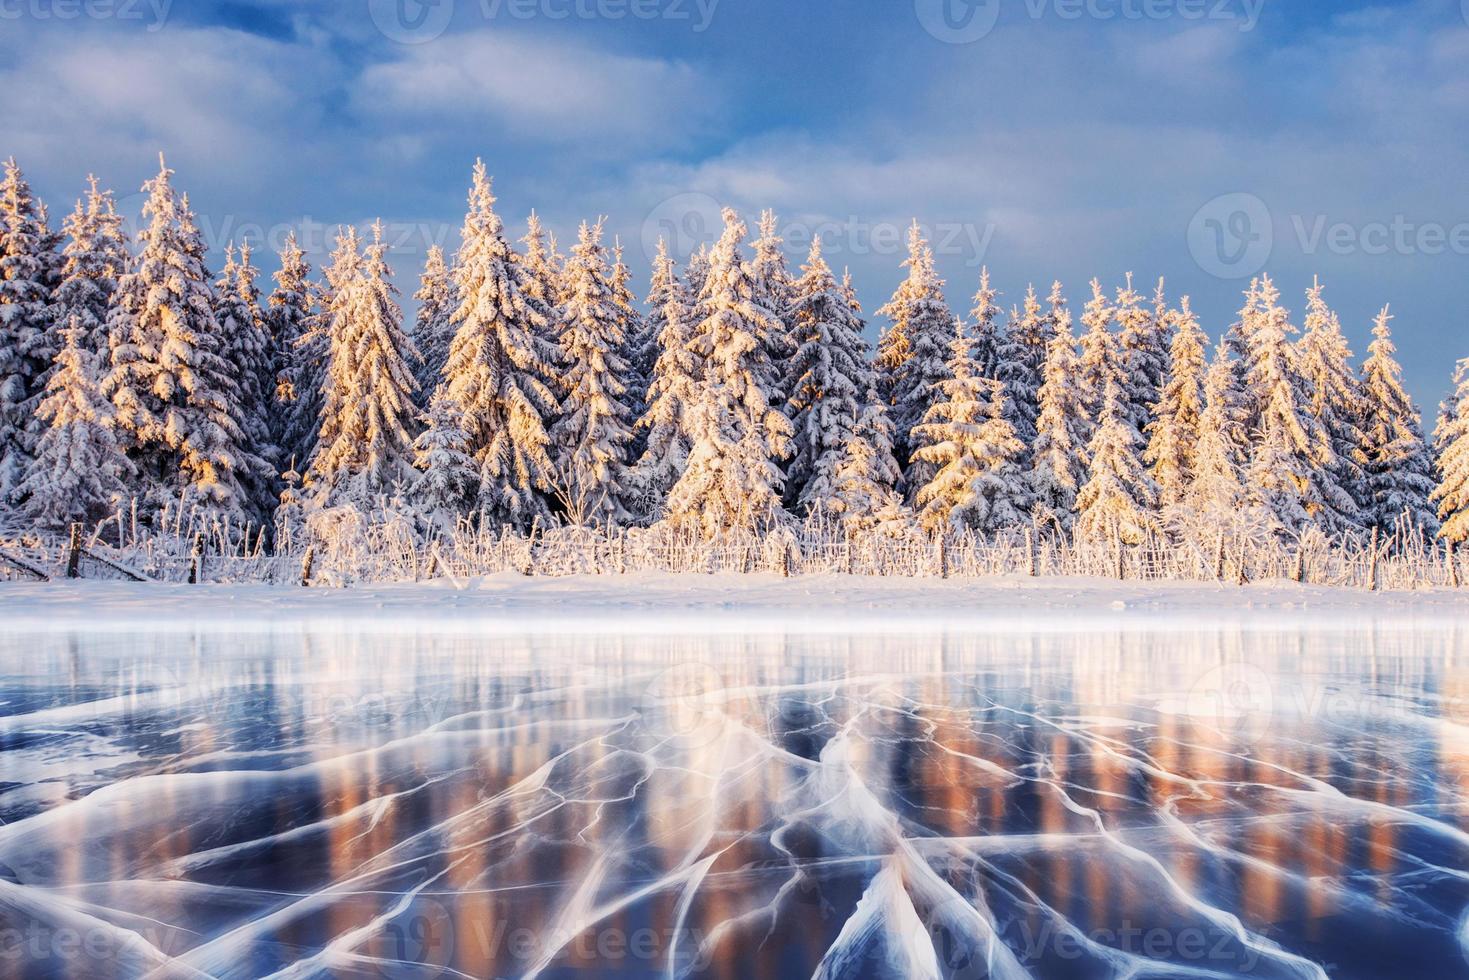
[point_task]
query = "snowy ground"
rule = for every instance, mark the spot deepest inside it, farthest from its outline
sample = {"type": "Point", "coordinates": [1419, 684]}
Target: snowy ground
{"type": "Point", "coordinates": [663, 603]}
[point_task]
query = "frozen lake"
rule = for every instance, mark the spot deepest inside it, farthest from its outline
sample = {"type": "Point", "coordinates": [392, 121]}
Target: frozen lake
{"type": "Point", "coordinates": [1079, 803]}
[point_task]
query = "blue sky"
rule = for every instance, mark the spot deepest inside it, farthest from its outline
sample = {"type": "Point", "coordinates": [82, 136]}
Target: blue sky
{"type": "Point", "coordinates": [1200, 140]}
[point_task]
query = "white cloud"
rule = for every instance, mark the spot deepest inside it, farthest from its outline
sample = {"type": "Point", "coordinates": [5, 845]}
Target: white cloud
{"type": "Point", "coordinates": [543, 89]}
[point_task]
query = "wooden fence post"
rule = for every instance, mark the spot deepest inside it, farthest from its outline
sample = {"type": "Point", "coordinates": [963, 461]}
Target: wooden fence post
{"type": "Point", "coordinates": [1298, 573]}
{"type": "Point", "coordinates": [306, 565]}
{"type": "Point", "coordinates": [942, 555]}
{"type": "Point", "coordinates": [196, 561]}
{"type": "Point", "coordinates": [1030, 557]}
{"type": "Point", "coordinates": [1372, 568]}
{"type": "Point", "coordinates": [849, 564]}
{"type": "Point", "coordinates": [74, 553]}
{"type": "Point", "coordinates": [1453, 564]}
{"type": "Point", "coordinates": [1219, 559]}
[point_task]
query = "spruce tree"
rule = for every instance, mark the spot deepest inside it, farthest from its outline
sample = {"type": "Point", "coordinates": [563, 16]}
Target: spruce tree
{"type": "Point", "coordinates": [28, 334]}
{"type": "Point", "coordinates": [445, 489]}
{"type": "Point", "coordinates": [498, 363]}
{"type": "Point", "coordinates": [365, 451]}
{"type": "Point", "coordinates": [696, 273]}
{"type": "Point", "coordinates": [1101, 358]}
{"type": "Point", "coordinates": [831, 380]}
{"type": "Point", "coordinates": [592, 436]}
{"type": "Point", "coordinates": [78, 473]}
{"type": "Point", "coordinates": [246, 346]}
{"type": "Point", "coordinates": [178, 403]}
{"type": "Point", "coordinates": [1119, 498]}
{"type": "Point", "coordinates": [1143, 341]}
{"type": "Point", "coordinates": [667, 421]}
{"type": "Point", "coordinates": [774, 287]}
{"type": "Point", "coordinates": [1325, 363]}
{"type": "Point", "coordinates": [1399, 464]}
{"type": "Point", "coordinates": [986, 335]}
{"type": "Point", "coordinates": [1024, 363]}
{"type": "Point", "coordinates": [1173, 433]}
{"type": "Point", "coordinates": [432, 332]}
{"type": "Point", "coordinates": [913, 354]}
{"type": "Point", "coordinates": [1282, 476]}
{"type": "Point", "coordinates": [639, 349]}
{"type": "Point", "coordinates": [300, 341]}
{"type": "Point", "coordinates": [734, 477]}
{"type": "Point", "coordinates": [1215, 492]}
{"type": "Point", "coordinates": [1452, 439]}
{"type": "Point", "coordinates": [969, 441]}
{"type": "Point", "coordinates": [94, 257]}
{"type": "Point", "coordinates": [1058, 463]}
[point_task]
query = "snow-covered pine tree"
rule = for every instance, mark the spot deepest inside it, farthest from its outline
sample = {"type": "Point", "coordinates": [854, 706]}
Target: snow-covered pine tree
{"type": "Point", "coordinates": [1325, 363]}
{"type": "Point", "coordinates": [1058, 463]}
{"type": "Point", "coordinates": [774, 288]}
{"type": "Point", "coordinates": [671, 391]}
{"type": "Point", "coordinates": [1281, 475]}
{"type": "Point", "coordinates": [178, 404]}
{"type": "Point", "coordinates": [1024, 363]}
{"type": "Point", "coordinates": [365, 452]}
{"type": "Point", "coordinates": [696, 273]}
{"type": "Point", "coordinates": [591, 438]}
{"type": "Point", "coordinates": [1144, 338]}
{"type": "Point", "coordinates": [913, 354]}
{"type": "Point", "coordinates": [831, 379]}
{"type": "Point", "coordinates": [733, 478]}
{"type": "Point", "coordinates": [432, 331]}
{"type": "Point", "coordinates": [968, 439]}
{"type": "Point", "coordinates": [546, 265]}
{"type": "Point", "coordinates": [639, 348]}
{"type": "Point", "coordinates": [300, 340]}
{"type": "Point", "coordinates": [28, 335]}
{"type": "Point", "coordinates": [1101, 358]}
{"type": "Point", "coordinates": [79, 472]}
{"type": "Point", "coordinates": [95, 255]}
{"type": "Point", "coordinates": [1215, 494]}
{"type": "Point", "coordinates": [445, 489]}
{"type": "Point", "coordinates": [1173, 433]}
{"type": "Point", "coordinates": [1119, 498]}
{"type": "Point", "coordinates": [246, 347]}
{"type": "Point", "coordinates": [498, 363]}
{"type": "Point", "coordinates": [986, 333]}
{"type": "Point", "coordinates": [1399, 464]}
{"type": "Point", "coordinates": [1452, 441]}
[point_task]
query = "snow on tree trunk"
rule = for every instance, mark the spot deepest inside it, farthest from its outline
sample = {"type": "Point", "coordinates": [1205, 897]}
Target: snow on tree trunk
{"type": "Point", "coordinates": [733, 478]}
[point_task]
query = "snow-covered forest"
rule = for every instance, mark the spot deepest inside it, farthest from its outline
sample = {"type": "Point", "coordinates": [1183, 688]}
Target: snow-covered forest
{"type": "Point", "coordinates": [144, 394]}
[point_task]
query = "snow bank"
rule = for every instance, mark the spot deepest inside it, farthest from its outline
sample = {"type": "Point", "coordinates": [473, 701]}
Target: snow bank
{"type": "Point", "coordinates": [670, 603]}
